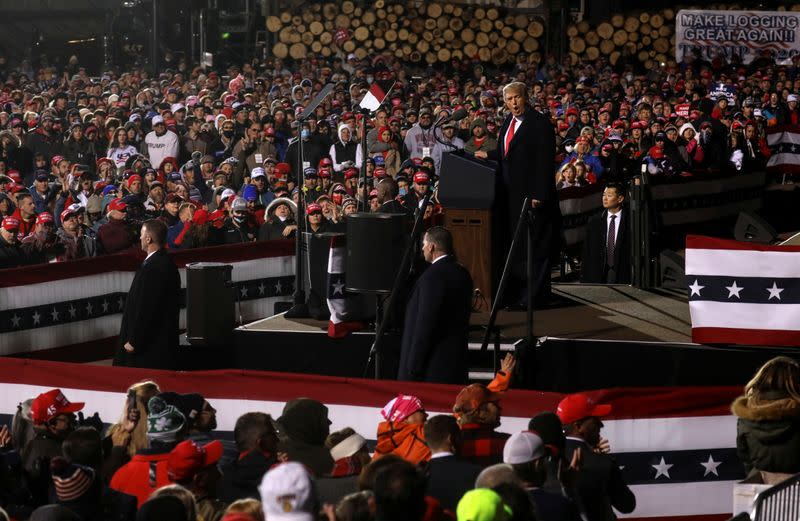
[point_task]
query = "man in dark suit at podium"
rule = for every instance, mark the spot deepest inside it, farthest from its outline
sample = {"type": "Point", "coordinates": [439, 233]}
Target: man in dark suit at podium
{"type": "Point", "coordinates": [606, 247]}
{"type": "Point", "coordinates": [526, 155]}
{"type": "Point", "coordinates": [435, 330]}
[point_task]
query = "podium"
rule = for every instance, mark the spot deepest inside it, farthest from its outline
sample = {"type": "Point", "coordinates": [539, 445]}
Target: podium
{"type": "Point", "coordinates": [466, 191]}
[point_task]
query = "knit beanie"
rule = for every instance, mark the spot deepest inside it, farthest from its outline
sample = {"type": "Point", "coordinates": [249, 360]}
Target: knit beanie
{"type": "Point", "coordinates": [71, 481]}
{"type": "Point", "coordinates": [164, 421]}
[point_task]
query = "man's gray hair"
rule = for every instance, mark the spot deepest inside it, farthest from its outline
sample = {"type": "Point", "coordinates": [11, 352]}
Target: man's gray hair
{"type": "Point", "coordinates": [497, 474]}
{"type": "Point", "coordinates": [516, 86]}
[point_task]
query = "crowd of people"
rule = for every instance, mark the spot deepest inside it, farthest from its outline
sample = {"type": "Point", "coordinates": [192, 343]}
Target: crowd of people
{"type": "Point", "coordinates": [162, 460]}
{"type": "Point", "coordinates": [216, 154]}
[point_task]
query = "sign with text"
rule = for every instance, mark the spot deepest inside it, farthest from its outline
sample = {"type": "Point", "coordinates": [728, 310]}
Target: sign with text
{"type": "Point", "coordinates": [721, 89]}
{"type": "Point", "coordinates": [745, 35]}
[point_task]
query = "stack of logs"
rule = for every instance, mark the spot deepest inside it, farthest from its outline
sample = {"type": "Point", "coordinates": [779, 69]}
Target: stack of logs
{"type": "Point", "coordinates": [415, 32]}
{"type": "Point", "coordinates": [650, 37]}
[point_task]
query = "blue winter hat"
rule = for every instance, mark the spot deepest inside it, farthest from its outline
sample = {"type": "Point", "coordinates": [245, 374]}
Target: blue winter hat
{"type": "Point", "coordinates": [108, 189]}
{"type": "Point", "coordinates": [250, 193]}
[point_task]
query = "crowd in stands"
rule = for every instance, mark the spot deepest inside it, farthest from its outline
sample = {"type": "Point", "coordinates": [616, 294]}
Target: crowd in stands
{"type": "Point", "coordinates": [215, 154]}
{"type": "Point", "coordinates": [161, 461]}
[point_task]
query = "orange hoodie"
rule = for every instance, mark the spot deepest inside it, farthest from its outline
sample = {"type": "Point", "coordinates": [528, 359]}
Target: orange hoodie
{"type": "Point", "coordinates": [407, 440]}
{"type": "Point", "coordinates": [402, 439]}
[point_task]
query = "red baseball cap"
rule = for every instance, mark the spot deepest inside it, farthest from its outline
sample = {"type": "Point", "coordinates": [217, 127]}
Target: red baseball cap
{"type": "Point", "coordinates": [282, 169]}
{"type": "Point", "coordinates": [118, 205]}
{"type": "Point", "coordinates": [69, 211]}
{"type": "Point", "coordinates": [134, 177]}
{"type": "Point", "coordinates": [579, 406]}
{"type": "Point", "coordinates": [11, 224]}
{"type": "Point", "coordinates": [313, 208]}
{"type": "Point", "coordinates": [187, 458]}
{"type": "Point", "coordinates": [57, 159]}
{"type": "Point", "coordinates": [48, 405]}
{"type": "Point", "coordinates": [421, 177]}
{"type": "Point", "coordinates": [350, 173]}
{"type": "Point", "coordinates": [379, 172]}
{"type": "Point", "coordinates": [44, 217]}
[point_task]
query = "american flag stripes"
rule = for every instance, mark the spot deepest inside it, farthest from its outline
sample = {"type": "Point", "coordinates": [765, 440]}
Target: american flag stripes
{"type": "Point", "coordinates": [743, 293]}
{"type": "Point", "coordinates": [784, 145]}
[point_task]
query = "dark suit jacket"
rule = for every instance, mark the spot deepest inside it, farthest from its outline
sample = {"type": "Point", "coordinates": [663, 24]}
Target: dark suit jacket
{"type": "Point", "coordinates": [599, 484]}
{"type": "Point", "coordinates": [527, 170]}
{"type": "Point", "coordinates": [393, 206]}
{"type": "Point", "coordinates": [553, 507]}
{"type": "Point", "coordinates": [449, 479]}
{"type": "Point", "coordinates": [593, 262]}
{"type": "Point", "coordinates": [434, 346]}
{"type": "Point", "coordinates": [150, 317]}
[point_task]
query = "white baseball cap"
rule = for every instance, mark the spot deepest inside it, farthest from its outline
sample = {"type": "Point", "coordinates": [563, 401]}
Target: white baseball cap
{"type": "Point", "coordinates": [176, 107]}
{"type": "Point", "coordinates": [523, 447]}
{"type": "Point", "coordinates": [156, 120]}
{"type": "Point", "coordinates": [288, 494]}
{"type": "Point", "coordinates": [257, 172]}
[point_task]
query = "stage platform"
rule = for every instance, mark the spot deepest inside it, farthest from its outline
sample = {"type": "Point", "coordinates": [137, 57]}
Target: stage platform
{"type": "Point", "coordinates": [591, 337]}
{"type": "Point", "coordinates": [587, 311]}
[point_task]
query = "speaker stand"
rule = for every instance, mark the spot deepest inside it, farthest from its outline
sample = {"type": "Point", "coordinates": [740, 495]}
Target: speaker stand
{"type": "Point", "coordinates": [524, 222]}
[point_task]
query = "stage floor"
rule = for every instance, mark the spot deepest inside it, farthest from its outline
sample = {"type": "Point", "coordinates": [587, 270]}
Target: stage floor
{"type": "Point", "coordinates": [597, 312]}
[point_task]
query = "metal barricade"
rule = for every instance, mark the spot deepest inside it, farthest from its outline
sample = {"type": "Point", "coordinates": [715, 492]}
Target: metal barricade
{"type": "Point", "coordinates": [779, 503]}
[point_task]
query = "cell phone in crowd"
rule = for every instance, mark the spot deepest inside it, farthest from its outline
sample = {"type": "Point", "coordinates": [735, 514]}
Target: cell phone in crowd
{"type": "Point", "coordinates": [131, 400]}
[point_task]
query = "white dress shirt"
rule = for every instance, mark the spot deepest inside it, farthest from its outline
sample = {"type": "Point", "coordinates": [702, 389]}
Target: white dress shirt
{"type": "Point", "coordinates": [516, 128]}
{"type": "Point", "coordinates": [616, 224]}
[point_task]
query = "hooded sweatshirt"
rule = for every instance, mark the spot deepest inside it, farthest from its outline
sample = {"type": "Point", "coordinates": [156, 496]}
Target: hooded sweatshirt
{"type": "Point", "coordinates": [306, 425]}
{"type": "Point", "coordinates": [343, 151]}
{"type": "Point", "coordinates": [406, 440]}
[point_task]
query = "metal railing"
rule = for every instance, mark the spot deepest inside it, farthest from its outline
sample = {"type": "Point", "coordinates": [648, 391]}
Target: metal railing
{"type": "Point", "coordinates": [779, 503]}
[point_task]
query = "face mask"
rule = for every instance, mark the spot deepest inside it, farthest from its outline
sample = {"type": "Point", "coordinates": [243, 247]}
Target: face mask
{"type": "Point", "coordinates": [227, 133]}
{"type": "Point", "coordinates": [305, 134]}
{"type": "Point", "coordinates": [402, 191]}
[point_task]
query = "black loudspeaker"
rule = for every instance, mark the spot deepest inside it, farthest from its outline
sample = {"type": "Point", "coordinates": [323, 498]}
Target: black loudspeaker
{"type": "Point", "coordinates": [752, 228]}
{"type": "Point", "coordinates": [375, 246]}
{"type": "Point", "coordinates": [209, 303]}
{"type": "Point", "coordinates": [673, 270]}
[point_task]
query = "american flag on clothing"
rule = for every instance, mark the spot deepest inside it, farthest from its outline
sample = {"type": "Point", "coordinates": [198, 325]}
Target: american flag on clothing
{"type": "Point", "coordinates": [784, 145]}
{"type": "Point", "coordinates": [743, 293]}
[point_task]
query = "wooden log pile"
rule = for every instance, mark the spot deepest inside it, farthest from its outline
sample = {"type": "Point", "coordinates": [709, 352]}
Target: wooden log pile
{"type": "Point", "coordinates": [412, 31]}
{"type": "Point", "coordinates": [648, 36]}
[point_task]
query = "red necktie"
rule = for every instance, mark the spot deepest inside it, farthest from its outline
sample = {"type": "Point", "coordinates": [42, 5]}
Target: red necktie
{"type": "Point", "coordinates": [510, 134]}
